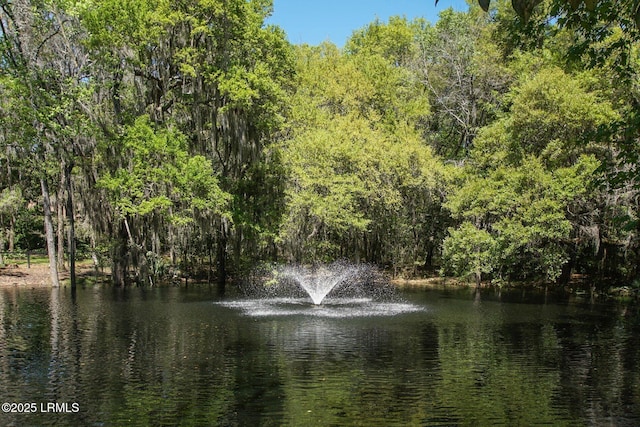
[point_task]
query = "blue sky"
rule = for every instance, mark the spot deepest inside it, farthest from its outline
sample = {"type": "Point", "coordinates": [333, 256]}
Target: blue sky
{"type": "Point", "coordinates": [315, 21]}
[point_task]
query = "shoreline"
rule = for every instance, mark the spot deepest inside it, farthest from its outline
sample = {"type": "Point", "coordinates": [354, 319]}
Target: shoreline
{"type": "Point", "coordinates": [37, 276]}
{"type": "Point", "coordinates": [430, 283]}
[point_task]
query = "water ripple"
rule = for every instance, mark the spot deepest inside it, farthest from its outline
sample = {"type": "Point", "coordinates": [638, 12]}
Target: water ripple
{"type": "Point", "coordinates": [332, 308]}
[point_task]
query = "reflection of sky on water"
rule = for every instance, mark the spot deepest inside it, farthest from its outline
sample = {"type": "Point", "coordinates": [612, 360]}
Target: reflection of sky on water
{"type": "Point", "coordinates": [332, 308]}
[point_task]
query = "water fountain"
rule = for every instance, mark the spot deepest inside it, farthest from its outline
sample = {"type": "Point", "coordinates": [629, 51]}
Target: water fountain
{"type": "Point", "coordinates": [317, 281]}
{"type": "Point", "coordinates": [339, 289]}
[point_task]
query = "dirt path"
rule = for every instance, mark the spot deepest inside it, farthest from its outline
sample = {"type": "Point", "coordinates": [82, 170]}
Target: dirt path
{"type": "Point", "coordinates": [36, 276]}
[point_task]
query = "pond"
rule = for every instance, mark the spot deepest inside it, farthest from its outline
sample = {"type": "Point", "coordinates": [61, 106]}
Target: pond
{"type": "Point", "coordinates": [187, 356]}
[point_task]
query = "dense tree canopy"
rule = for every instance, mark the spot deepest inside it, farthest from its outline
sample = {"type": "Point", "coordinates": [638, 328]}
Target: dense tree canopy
{"type": "Point", "coordinates": [190, 138]}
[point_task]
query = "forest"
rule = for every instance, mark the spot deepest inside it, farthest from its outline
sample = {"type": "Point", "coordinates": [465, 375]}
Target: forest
{"type": "Point", "coordinates": [190, 138]}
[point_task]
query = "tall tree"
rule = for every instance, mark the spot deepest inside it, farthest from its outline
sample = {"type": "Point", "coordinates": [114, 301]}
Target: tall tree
{"type": "Point", "coordinates": [532, 175]}
{"type": "Point", "coordinates": [361, 180]}
{"type": "Point", "coordinates": [216, 72]}
{"type": "Point", "coordinates": [46, 65]}
{"type": "Point", "coordinates": [459, 65]}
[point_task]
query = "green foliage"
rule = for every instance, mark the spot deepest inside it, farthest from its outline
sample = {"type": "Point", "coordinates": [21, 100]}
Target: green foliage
{"type": "Point", "coordinates": [28, 233]}
{"type": "Point", "coordinates": [584, 11]}
{"type": "Point", "coordinates": [161, 175]}
{"type": "Point", "coordinates": [460, 68]}
{"type": "Point", "coordinates": [525, 209]}
{"type": "Point", "coordinates": [552, 115]}
{"type": "Point", "coordinates": [359, 174]}
{"type": "Point", "coordinates": [366, 85]}
{"type": "Point", "coordinates": [469, 251]}
{"type": "Point", "coordinates": [394, 41]}
{"type": "Point", "coordinates": [192, 128]}
{"type": "Point", "coordinates": [11, 201]}
{"type": "Point", "coordinates": [533, 172]}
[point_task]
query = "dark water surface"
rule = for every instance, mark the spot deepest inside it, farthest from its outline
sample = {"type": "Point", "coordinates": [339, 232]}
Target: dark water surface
{"type": "Point", "coordinates": [178, 356]}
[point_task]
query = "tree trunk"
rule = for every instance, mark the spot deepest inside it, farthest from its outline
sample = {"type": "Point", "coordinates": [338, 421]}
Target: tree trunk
{"type": "Point", "coordinates": [222, 256]}
{"type": "Point", "coordinates": [172, 247]}
{"type": "Point", "coordinates": [210, 253]}
{"type": "Point", "coordinates": [12, 233]}
{"type": "Point", "coordinates": [172, 243]}
{"type": "Point", "coordinates": [48, 228]}
{"type": "Point", "coordinates": [60, 219]}
{"type": "Point", "coordinates": [119, 258]}
{"type": "Point", "coordinates": [71, 244]}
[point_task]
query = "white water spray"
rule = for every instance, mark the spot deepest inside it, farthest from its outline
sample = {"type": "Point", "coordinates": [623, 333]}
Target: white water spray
{"type": "Point", "coordinates": [320, 280]}
{"type": "Point", "coordinates": [337, 290]}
